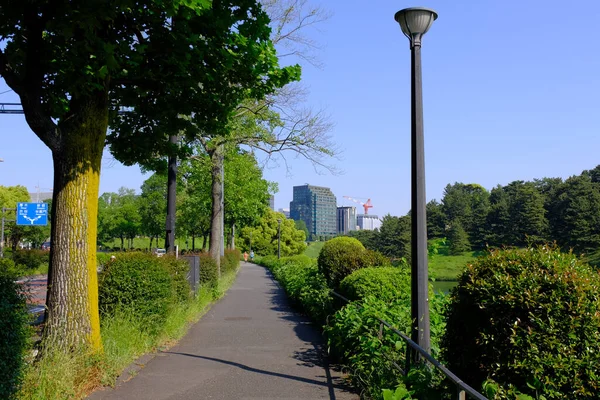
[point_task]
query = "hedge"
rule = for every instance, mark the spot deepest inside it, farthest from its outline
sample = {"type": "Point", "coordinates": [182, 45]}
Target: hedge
{"type": "Point", "coordinates": [532, 319]}
{"type": "Point", "coordinates": [14, 331]}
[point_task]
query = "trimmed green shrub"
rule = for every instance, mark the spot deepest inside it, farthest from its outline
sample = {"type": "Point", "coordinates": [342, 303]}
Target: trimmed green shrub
{"type": "Point", "coordinates": [339, 257]}
{"type": "Point", "coordinates": [9, 268]}
{"type": "Point", "coordinates": [209, 275]}
{"type": "Point", "coordinates": [31, 259]}
{"type": "Point", "coordinates": [385, 283]}
{"type": "Point", "coordinates": [178, 269]}
{"type": "Point", "coordinates": [376, 259]}
{"type": "Point", "coordinates": [231, 261]}
{"type": "Point", "coordinates": [14, 332]}
{"type": "Point", "coordinates": [527, 319]}
{"type": "Point", "coordinates": [353, 335]}
{"type": "Point", "coordinates": [139, 282]}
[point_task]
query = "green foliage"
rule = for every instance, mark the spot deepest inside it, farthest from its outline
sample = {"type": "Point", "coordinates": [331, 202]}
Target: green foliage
{"type": "Point", "coordinates": [458, 238]}
{"type": "Point", "coordinates": [31, 259]}
{"type": "Point", "coordinates": [354, 334]}
{"type": "Point", "coordinates": [303, 283]}
{"type": "Point", "coordinates": [231, 261]}
{"type": "Point", "coordinates": [533, 319]}
{"type": "Point", "coordinates": [14, 332]}
{"type": "Point", "coordinates": [340, 257]}
{"type": "Point", "coordinates": [9, 268]}
{"type": "Point", "coordinates": [140, 282]}
{"type": "Point", "coordinates": [209, 274]}
{"type": "Point", "coordinates": [178, 269]}
{"type": "Point", "coordinates": [387, 284]}
{"type": "Point", "coordinates": [264, 236]}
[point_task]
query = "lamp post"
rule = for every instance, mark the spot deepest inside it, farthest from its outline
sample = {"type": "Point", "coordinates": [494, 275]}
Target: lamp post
{"type": "Point", "coordinates": [279, 239]}
{"type": "Point", "coordinates": [415, 22]}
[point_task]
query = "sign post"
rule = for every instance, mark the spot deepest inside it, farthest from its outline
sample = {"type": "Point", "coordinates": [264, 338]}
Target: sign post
{"type": "Point", "coordinates": [35, 214]}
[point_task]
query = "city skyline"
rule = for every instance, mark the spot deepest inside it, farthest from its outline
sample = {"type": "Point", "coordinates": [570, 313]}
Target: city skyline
{"type": "Point", "coordinates": [495, 112]}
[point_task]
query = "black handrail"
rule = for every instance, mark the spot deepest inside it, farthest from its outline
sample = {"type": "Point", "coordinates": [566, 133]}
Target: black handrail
{"type": "Point", "coordinates": [461, 386]}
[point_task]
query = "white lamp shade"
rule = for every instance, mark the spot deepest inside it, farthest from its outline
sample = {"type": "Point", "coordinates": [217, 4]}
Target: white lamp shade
{"type": "Point", "coordinates": [415, 22]}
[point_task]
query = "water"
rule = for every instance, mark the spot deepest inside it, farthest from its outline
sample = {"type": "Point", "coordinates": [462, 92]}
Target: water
{"type": "Point", "coordinates": [443, 286]}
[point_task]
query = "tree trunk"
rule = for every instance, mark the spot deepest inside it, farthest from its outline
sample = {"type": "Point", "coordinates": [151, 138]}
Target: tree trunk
{"type": "Point", "coordinates": [193, 242]}
{"type": "Point", "coordinates": [204, 240]}
{"type": "Point", "coordinates": [151, 240]}
{"type": "Point", "coordinates": [216, 226]}
{"type": "Point", "coordinates": [122, 243]}
{"type": "Point", "coordinates": [171, 199]}
{"type": "Point", "coordinates": [232, 245]}
{"type": "Point", "coordinates": [72, 317]}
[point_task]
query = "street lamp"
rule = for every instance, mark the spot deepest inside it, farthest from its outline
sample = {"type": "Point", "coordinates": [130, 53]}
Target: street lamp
{"type": "Point", "coordinates": [279, 239]}
{"type": "Point", "coordinates": [415, 22]}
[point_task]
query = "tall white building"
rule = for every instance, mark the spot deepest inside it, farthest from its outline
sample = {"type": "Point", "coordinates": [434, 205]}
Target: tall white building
{"type": "Point", "coordinates": [346, 220]}
{"type": "Point", "coordinates": [368, 222]}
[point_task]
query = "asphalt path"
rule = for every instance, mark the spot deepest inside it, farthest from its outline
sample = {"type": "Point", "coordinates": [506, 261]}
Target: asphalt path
{"type": "Point", "coordinates": [250, 345]}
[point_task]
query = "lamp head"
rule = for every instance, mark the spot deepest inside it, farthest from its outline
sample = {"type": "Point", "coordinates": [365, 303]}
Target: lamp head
{"type": "Point", "coordinates": [415, 22]}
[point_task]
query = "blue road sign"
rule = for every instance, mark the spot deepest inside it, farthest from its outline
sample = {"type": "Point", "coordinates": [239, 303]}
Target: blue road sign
{"type": "Point", "coordinates": [32, 213]}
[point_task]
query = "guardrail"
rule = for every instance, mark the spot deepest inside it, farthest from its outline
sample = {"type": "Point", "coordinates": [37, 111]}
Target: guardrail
{"type": "Point", "coordinates": [462, 389]}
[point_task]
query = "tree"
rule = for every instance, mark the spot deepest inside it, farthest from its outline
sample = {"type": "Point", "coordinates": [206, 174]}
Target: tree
{"type": "Point", "coordinates": [9, 197]}
{"type": "Point", "coordinates": [458, 238]}
{"type": "Point", "coordinates": [301, 226]}
{"type": "Point", "coordinates": [469, 205]}
{"type": "Point", "coordinates": [576, 223]}
{"type": "Point", "coordinates": [498, 221]}
{"type": "Point", "coordinates": [369, 239]}
{"type": "Point", "coordinates": [153, 206]}
{"type": "Point", "coordinates": [394, 239]}
{"type": "Point", "coordinates": [68, 66]}
{"type": "Point", "coordinates": [264, 236]}
{"type": "Point", "coordinates": [436, 221]}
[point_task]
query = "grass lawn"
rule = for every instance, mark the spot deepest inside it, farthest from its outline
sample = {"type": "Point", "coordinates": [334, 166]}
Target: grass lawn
{"type": "Point", "coordinates": [313, 249]}
{"type": "Point", "coordinates": [445, 267]}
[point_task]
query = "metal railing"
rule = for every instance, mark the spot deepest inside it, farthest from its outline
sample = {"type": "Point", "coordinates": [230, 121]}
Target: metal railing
{"type": "Point", "coordinates": [462, 389]}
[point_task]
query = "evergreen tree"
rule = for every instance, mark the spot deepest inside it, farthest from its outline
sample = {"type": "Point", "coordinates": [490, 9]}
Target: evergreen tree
{"type": "Point", "coordinates": [436, 221]}
{"type": "Point", "coordinates": [458, 238]}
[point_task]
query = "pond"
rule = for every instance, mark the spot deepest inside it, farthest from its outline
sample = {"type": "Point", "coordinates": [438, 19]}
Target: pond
{"type": "Point", "coordinates": [443, 286]}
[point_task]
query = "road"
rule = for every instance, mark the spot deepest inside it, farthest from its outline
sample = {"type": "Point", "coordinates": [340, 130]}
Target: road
{"type": "Point", "coordinates": [250, 345]}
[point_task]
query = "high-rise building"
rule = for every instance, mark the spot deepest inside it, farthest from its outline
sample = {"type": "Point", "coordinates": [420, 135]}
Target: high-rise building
{"type": "Point", "coordinates": [346, 220]}
{"type": "Point", "coordinates": [285, 211]}
{"type": "Point", "coordinates": [272, 202]}
{"type": "Point", "coordinates": [368, 222]}
{"type": "Point", "coordinates": [317, 207]}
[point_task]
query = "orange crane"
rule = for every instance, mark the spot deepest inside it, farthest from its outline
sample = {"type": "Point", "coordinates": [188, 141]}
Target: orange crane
{"type": "Point", "coordinates": [366, 205]}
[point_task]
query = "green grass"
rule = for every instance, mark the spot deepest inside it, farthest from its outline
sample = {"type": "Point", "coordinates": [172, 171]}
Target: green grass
{"type": "Point", "coordinates": [60, 375]}
{"type": "Point", "coordinates": [445, 267]}
{"type": "Point", "coordinates": [313, 249]}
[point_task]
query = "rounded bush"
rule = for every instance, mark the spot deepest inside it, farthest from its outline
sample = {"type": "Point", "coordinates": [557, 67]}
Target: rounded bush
{"type": "Point", "coordinates": [527, 319]}
{"type": "Point", "coordinates": [385, 283]}
{"type": "Point", "coordinates": [14, 331]}
{"type": "Point", "coordinates": [339, 257]}
{"type": "Point", "coordinates": [139, 282]}
{"type": "Point", "coordinates": [209, 275]}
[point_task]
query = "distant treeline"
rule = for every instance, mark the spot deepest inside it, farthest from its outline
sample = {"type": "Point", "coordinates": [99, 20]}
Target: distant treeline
{"type": "Point", "coordinates": [471, 217]}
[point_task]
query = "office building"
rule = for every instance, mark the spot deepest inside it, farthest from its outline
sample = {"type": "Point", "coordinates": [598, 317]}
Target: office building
{"type": "Point", "coordinates": [272, 202]}
{"type": "Point", "coordinates": [346, 220]}
{"type": "Point", "coordinates": [368, 222]}
{"type": "Point", "coordinates": [317, 207]}
{"type": "Point", "coordinates": [285, 211]}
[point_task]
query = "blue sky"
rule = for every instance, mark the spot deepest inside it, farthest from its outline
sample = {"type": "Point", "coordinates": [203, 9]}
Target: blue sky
{"type": "Point", "coordinates": [511, 92]}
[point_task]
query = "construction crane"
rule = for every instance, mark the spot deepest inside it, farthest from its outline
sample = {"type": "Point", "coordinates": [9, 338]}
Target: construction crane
{"type": "Point", "coordinates": [366, 205]}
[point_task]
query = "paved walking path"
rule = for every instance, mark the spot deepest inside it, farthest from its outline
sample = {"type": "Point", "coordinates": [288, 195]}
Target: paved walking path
{"type": "Point", "coordinates": [250, 345]}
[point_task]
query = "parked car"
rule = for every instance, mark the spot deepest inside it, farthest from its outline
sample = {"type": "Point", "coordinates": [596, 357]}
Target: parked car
{"type": "Point", "coordinates": [46, 246]}
{"type": "Point", "coordinates": [160, 252]}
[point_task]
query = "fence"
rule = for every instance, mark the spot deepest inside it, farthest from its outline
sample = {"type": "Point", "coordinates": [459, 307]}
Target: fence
{"type": "Point", "coordinates": [462, 389]}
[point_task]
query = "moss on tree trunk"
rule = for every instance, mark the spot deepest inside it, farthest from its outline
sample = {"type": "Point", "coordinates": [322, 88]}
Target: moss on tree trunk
{"type": "Point", "coordinates": [72, 317]}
